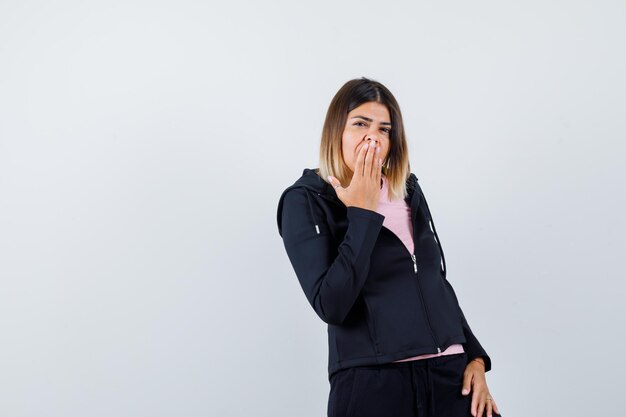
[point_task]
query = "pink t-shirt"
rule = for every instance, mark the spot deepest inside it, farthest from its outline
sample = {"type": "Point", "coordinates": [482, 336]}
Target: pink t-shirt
{"type": "Point", "coordinates": [398, 219]}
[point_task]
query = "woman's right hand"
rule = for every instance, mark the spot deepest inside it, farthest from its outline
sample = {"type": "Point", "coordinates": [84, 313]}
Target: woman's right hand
{"type": "Point", "coordinates": [364, 188]}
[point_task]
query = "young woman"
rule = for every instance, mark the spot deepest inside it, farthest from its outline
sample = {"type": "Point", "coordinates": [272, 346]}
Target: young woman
{"type": "Point", "coordinates": [361, 239]}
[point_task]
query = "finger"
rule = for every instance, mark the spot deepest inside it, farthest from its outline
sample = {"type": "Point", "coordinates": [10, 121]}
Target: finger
{"type": "Point", "coordinates": [379, 171]}
{"type": "Point", "coordinates": [495, 406]}
{"type": "Point", "coordinates": [379, 164]}
{"type": "Point", "coordinates": [367, 170]}
{"type": "Point", "coordinates": [489, 408]}
{"type": "Point", "coordinates": [334, 182]}
{"type": "Point", "coordinates": [475, 404]}
{"type": "Point", "coordinates": [481, 407]}
{"type": "Point", "coordinates": [374, 167]}
{"type": "Point", "coordinates": [360, 160]}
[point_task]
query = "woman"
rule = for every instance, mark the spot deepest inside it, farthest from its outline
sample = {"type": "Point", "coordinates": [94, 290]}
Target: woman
{"type": "Point", "coordinates": [360, 237]}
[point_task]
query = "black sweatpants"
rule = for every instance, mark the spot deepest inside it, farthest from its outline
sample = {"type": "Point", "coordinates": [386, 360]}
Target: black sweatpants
{"type": "Point", "coordinates": [418, 388]}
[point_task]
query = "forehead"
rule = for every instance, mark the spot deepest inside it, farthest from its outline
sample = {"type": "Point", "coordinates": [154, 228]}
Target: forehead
{"type": "Point", "coordinates": [371, 109]}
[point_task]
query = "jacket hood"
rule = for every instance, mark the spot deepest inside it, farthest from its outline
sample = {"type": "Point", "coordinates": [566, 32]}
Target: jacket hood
{"type": "Point", "coordinates": [316, 187]}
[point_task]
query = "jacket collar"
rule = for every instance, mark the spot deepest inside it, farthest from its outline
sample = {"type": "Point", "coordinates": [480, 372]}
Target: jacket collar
{"type": "Point", "coordinates": [316, 187]}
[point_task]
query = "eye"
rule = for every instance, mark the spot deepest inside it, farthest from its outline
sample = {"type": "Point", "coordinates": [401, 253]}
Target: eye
{"type": "Point", "coordinates": [358, 123]}
{"type": "Point", "coordinates": [387, 129]}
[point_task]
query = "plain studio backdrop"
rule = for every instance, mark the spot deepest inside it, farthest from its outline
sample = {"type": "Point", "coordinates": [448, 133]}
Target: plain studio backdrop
{"type": "Point", "coordinates": [144, 146]}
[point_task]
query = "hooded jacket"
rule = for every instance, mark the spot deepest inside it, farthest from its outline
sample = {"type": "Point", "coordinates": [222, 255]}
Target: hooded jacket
{"type": "Point", "coordinates": [381, 302]}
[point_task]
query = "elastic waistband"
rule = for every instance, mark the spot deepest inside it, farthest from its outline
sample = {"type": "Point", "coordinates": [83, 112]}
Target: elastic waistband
{"type": "Point", "coordinates": [414, 363]}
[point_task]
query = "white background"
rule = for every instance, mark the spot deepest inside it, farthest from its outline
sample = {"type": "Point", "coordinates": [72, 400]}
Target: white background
{"type": "Point", "coordinates": [144, 145]}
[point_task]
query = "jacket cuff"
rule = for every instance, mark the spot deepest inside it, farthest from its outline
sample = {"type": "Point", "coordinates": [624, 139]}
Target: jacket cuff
{"type": "Point", "coordinates": [475, 350]}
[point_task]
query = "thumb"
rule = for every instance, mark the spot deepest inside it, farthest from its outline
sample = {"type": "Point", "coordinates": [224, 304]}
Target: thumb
{"type": "Point", "coordinates": [466, 385]}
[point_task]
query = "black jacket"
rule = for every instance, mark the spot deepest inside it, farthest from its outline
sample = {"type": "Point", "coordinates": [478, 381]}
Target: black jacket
{"type": "Point", "coordinates": [381, 302]}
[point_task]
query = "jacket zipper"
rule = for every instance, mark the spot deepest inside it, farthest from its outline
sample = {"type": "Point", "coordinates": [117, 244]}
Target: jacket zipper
{"type": "Point", "coordinates": [419, 287]}
{"type": "Point", "coordinates": [413, 257]}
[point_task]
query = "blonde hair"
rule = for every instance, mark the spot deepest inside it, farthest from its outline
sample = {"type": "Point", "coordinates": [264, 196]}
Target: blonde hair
{"type": "Point", "coordinates": [352, 94]}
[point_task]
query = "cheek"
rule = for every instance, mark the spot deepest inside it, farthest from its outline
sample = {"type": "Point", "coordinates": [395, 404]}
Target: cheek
{"type": "Point", "coordinates": [349, 146]}
{"type": "Point", "coordinates": [385, 151]}
{"type": "Point", "coordinates": [347, 150]}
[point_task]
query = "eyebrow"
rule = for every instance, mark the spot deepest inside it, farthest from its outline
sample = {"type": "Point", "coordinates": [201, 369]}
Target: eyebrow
{"type": "Point", "coordinates": [369, 120]}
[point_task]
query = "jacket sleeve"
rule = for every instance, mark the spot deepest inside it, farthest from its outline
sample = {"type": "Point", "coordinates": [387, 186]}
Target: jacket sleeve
{"type": "Point", "coordinates": [331, 276]}
{"type": "Point", "coordinates": [472, 346]}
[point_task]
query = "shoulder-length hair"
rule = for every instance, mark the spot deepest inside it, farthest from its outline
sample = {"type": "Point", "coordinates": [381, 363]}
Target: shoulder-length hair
{"type": "Point", "coordinates": [352, 94]}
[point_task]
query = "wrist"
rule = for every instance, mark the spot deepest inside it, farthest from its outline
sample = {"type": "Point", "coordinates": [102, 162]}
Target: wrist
{"type": "Point", "coordinates": [479, 360]}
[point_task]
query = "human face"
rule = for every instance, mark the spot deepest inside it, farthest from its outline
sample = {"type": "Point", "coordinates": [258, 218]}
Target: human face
{"type": "Point", "coordinates": [370, 122]}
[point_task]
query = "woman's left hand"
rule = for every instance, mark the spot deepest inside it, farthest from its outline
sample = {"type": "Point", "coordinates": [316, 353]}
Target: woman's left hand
{"type": "Point", "coordinates": [474, 380]}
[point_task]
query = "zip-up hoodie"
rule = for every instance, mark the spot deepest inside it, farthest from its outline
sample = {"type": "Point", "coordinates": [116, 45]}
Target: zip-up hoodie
{"type": "Point", "coordinates": [381, 303]}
